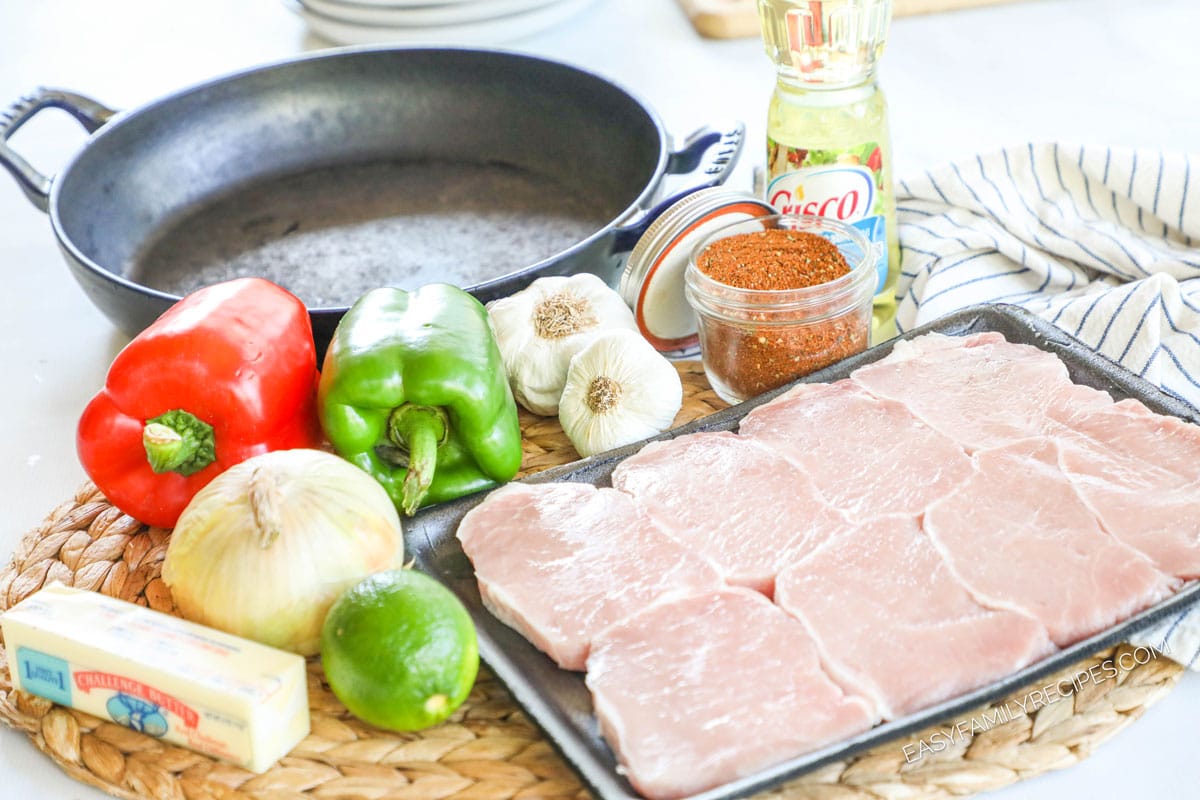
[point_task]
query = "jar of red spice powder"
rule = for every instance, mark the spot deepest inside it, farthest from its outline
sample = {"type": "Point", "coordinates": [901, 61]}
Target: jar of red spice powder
{"type": "Point", "coordinates": [778, 297]}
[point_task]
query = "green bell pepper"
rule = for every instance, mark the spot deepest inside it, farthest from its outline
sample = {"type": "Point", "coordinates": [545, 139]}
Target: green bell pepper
{"type": "Point", "coordinates": [413, 390]}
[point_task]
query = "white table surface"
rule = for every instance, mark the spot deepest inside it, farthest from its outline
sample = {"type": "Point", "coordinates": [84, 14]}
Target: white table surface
{"type": "Point", "coordinates": [1105, 71]}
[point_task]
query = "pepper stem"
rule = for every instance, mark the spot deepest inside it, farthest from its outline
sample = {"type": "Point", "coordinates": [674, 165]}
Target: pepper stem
{"type": "Point", "coordinates": [178, 442]}
{"type": "Point", "coordinates": [418, 430]}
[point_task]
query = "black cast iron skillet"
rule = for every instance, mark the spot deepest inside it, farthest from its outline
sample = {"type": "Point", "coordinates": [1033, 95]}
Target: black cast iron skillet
{"type": "Point", "coordinates": [146, 170]}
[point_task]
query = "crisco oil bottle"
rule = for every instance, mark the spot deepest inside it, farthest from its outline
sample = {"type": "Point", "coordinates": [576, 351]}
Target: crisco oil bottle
{"type": "Point", "coordinates": [828, 146]}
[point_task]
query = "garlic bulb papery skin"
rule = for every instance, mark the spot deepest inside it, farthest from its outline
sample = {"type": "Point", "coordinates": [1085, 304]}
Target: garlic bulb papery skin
{"type": "Point", "coordinates": [265, 548]}
{"type": "Point", "coordinates": [619, 390]}
{"type": "Point", "coordinates": [542, 326]}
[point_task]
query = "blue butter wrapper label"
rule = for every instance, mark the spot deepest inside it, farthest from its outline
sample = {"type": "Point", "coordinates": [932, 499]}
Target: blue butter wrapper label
{"type": "Point", "coordinates": [44, 675]}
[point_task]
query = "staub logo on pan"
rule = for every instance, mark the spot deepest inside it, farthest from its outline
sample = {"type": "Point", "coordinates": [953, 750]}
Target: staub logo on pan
{"type": "Point", "coordinates": [846, 193]}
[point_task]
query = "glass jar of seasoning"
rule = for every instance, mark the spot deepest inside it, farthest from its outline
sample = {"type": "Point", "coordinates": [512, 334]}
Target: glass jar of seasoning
{"type": "Point", "coordinates": [652, 281]}
{"type": "Point", "coordinates": [820, 278]}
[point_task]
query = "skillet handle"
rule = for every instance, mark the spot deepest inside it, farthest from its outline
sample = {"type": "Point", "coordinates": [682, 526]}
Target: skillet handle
{"type": "Point", "coordinates": [711, 151]}
{"type": "Point", "coordinates": [90, 114]}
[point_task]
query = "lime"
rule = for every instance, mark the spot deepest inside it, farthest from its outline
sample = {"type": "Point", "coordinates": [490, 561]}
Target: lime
{"type": "Point", "coordinates": [399, 650]}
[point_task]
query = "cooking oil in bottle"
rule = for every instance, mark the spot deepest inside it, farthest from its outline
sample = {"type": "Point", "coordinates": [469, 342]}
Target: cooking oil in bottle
{"type": "Point", "coordinates": [828, 145]}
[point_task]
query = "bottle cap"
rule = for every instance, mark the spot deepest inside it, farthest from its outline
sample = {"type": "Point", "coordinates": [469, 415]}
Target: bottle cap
{"type": "Point", "coordinates": [828, 44]}
{"type": "Point", "coordinates": [652, 282]}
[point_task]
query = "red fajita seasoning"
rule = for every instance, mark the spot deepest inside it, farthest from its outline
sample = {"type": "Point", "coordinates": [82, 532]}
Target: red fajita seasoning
{"type": "Point", "coordinates": [772, 259]}
{"type": "Point", "coordinates": [777, 298]}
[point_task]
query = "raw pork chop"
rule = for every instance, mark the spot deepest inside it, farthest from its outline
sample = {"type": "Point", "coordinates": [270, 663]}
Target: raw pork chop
{"type": "Point", "coordinates": [905, 349]}
{"type": "Point", "coordinates": [695, 692]}
{"type": "Point", "coordinates": [1139, 472]}
{"type": "Point", "coordinates": [1018, 536]}
{"type": "Point", "coordinates": [743, 506]}
{"type": "Point", "coordinates": [985, 393]}
{"type": "Point", "coordinates": [561, 561]}
{"type": "Point", "coordinates": [1168, 448]}
{"type": "Point", "coordinates": [889, 616]}
{"type": "Point", "coordinates": [865, 455]}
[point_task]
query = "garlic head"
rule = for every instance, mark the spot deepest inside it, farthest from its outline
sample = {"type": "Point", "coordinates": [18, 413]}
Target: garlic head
{"type": "Point", "coordinates": [264, 549]}
{"type": "Point", "coordinates": [619, 390]}
{"type": "Point", "coordinates": [541, 327]}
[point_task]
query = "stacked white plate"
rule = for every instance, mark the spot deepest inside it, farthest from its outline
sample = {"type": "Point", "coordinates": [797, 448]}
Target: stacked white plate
{"type": "Point", "coordinates": [455, 22]}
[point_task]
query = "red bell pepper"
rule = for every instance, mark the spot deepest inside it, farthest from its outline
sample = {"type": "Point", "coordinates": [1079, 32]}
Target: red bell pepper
{"type": "Point", "coordinates": [228, 372]}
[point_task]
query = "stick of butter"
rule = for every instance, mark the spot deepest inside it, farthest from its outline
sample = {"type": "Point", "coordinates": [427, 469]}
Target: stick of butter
{"type": "Point", "coordinates": [218, 694]}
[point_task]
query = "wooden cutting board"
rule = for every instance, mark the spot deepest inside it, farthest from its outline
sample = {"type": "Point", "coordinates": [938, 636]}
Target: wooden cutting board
{"type": "Point", "coordinates": [732, 19]}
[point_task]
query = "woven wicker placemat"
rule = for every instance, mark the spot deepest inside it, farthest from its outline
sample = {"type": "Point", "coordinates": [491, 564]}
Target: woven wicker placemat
{"type": "Point", "coordinates": [489, 749]}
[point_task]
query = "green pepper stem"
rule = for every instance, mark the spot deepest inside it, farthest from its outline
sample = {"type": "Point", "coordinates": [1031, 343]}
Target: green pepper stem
{"type": "Point", "coordinates": [419, 430]}
{"type": "Point", "coordinates": [178, 442]}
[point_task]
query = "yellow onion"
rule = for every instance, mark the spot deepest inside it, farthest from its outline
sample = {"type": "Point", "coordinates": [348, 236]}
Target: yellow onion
{"type": "Point", "coordinates": [265, 548]}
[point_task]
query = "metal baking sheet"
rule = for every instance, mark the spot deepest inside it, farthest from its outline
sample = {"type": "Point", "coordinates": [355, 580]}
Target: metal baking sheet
{"type": "Point", "coordinates": [557, 699]}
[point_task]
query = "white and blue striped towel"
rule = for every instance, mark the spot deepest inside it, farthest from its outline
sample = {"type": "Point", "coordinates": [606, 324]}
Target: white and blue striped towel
{"type": "Point", "coordinates": [1100, 241]}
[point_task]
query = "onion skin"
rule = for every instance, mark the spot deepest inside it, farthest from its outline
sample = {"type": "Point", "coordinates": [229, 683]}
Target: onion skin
{"type": "Point", "coordinates": [265, 548]}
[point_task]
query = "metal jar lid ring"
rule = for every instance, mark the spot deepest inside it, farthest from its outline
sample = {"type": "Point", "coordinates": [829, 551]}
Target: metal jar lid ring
{"type": "Point", "coordinates": [652, 282]}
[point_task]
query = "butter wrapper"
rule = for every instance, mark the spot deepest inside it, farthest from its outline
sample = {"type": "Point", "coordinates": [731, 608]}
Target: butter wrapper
{"type": "Point", "coordinates": [186, 684]}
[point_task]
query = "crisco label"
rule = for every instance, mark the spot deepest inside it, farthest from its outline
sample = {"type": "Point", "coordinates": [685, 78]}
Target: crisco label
{"type": "Point", "coordinates": [844, 193]}
{"type": "Point", "coordinates": [845, 185]}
